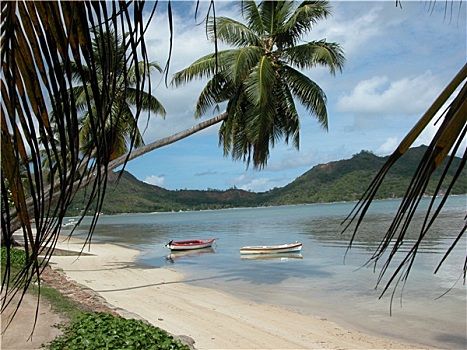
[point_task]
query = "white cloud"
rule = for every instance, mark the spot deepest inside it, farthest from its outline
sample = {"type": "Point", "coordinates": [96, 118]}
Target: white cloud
{"type": "Point", "coordinates": [155, 180]}
{"type": "Point", "coordinates": [261, 184]}
{"type": "Point", "coordinates": [388, 147]}
{"type": "Point", "coordinates": [292, 159]}
{"type": "Point", "coordinates": [381, 96]}
{"type": "Point", "coordinates": [249, 182]}
{"type": "Point", "coordinates": [353, 31]}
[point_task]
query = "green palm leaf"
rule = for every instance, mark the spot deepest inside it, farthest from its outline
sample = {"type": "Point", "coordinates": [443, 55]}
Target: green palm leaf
{"type": "Point", "coordinates": [240, 62]}
{"type": "Point", "coordinates": [301, 22]}
{"type": "Point", "coordinates": [258, 79]}
{"type": "Point", "coordinates": [201, 68]}
{"type": "Point", "coordinates": [308, 93]}
{"type": "Point", "coordinates": [313, 54]}
{"type": "Point", "coordinates": [217, 90]}
{"type": "Point", "coordinates": [232, 32]}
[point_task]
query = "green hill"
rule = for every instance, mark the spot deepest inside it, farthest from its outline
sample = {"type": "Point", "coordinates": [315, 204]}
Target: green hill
{"type": "Point", "coordinates": [343, 180]}
{"type": "Point", "coordinates": [347, 180]}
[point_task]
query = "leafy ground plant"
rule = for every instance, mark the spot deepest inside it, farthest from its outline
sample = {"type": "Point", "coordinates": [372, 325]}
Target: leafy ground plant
{"type": "Point", "coordinates": [17, 259]}
{"type": "Point", "coordinates": [103, 331]}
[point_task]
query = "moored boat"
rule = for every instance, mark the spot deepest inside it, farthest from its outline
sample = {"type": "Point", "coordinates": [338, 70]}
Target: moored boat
{"type": "Point", "coordinates": [272, 249]}
{"type": "Point", "coordinates": [190, 244]}
{"type": "Point", "coordinates": [70, 224]}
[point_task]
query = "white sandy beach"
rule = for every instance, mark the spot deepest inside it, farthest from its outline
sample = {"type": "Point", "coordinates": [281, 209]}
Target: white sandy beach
{"type": "Point", "coordinates": [215, 320]}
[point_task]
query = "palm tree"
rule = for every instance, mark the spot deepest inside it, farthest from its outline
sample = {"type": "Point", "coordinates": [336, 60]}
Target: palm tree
{"type": "Point", "coordinates": [259, 78]}
{"type": "Point", "coordinates": [120, 128]}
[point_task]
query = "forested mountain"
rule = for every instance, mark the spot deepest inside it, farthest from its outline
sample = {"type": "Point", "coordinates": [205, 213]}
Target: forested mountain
{"type": "Point", "coordinates": [347, 180]}
{"type": "Point", "coordinates": [343, 180]}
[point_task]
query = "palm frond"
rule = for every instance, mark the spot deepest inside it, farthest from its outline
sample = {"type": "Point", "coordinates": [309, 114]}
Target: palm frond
{"type": "Point", "coordinates": [251, 13]}
{"type": "Point", "coordinates": [259, 83]}
{"type": "Point", "coordinates": [201, 68]}
{"type": "Point", "coordinates": [45, 48]}
{"type": "Point", "coordinates": [273, 14]}
{"type": "Point", "coordinates": [147, 101]}
{"type": "Point", "coordinates": [217, 90]}
{"type": "Point", "coordinates": [259, 90]}
{"type": "Point", "coordinates": [232, 32]}
{"type": "Point", "coordinates": [287, 120]}
{"type": "Point", "coordinates": [308, 93]}
{"type": "Point", "coordinates": [315, 53]}
{"type": "Point", "coordinates": [240, 62]}
{"type": "Point", "coordinates": [449, 138]}
{"type": "Point", "coordinates": [301, 22]}
{"type": "Point", "coordinates": [143, 69]}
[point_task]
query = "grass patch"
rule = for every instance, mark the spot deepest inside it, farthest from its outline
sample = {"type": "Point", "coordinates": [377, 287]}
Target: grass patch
{"type": "Point", "coordinates": [59, 302]}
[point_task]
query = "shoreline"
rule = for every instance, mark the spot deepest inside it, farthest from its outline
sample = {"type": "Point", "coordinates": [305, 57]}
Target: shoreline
{"type": "Point", "coordinates": [213, 319]}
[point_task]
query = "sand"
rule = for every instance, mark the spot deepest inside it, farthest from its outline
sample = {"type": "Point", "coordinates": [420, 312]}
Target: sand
{"type": "Point", "coordinates": [18, 335]}
{"type": "Point", "coordinates": [213, 319]}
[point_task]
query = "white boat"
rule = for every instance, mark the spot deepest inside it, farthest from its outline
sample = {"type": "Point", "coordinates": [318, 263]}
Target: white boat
{"type": "Point", "coordinates": [190, 244]}
{"type": "Point", "coordinates": [272, 249]}
{"type": "Point", "coordinates": [70, 224]}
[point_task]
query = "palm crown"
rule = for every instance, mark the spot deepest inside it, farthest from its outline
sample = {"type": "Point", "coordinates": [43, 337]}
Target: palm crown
{"type": "Point", "coordinates": [260, 78]}
{"type": "Point", "coordinates": [119, 125]}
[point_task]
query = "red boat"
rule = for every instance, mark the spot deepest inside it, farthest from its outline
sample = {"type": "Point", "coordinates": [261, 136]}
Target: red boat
{"type": "Point", "coordinates": [190, 244]}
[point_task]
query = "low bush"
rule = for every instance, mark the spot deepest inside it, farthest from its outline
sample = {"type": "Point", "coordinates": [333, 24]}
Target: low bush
{"type": "Point", "coordinates": [17, 258]}
{"type": "Point", "coordinates": [103, 331]}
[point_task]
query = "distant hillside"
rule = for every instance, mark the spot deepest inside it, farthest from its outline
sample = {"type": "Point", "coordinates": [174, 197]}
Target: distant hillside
{"type": "Point", "coordinates": [347, 180]}
{"type": "Point", "coordinates": [343, 180]}
{"type": "Point", "coordinates": [129, 195]}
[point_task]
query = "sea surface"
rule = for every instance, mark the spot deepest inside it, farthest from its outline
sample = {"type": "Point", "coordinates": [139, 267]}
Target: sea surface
{"type": "Point", "coordinates": [327, 280]}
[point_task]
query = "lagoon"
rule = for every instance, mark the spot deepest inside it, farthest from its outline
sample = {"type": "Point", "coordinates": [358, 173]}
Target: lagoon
{"type": "Point", "coordinates": [322, 283]}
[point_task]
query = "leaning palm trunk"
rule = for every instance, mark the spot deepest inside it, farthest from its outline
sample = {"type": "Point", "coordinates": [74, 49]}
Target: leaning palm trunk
{"type": "Point", "coordinates": [85, 180]}
{"type": "Point", "coordinates": [449, 138]}
{"type": "Point", "coordinates": [166, 141]}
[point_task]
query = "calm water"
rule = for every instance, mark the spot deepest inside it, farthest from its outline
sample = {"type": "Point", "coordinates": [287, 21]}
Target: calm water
{"type": "Point", "coordinates": [321, 282]}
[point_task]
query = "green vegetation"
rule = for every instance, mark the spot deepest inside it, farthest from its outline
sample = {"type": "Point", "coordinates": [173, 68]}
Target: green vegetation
{"type": "Point", "coordinates": [344, 180]}
{"type": "Point", "coordinates": [59, 302]}
{"type": "Point", "coordinates": [17, 258]}
{"type": "Point", "coordinates": [103, 331]}
{"type": "Point", "coordinates": [93, 330]}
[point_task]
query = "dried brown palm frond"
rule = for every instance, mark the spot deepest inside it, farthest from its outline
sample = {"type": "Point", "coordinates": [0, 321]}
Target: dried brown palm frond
{"type": "Point", "coordinates": [447, 142]}
{"type": "Point", "coordinates": [44, 46]}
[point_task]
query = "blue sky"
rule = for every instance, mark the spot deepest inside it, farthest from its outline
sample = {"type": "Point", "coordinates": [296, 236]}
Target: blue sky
{"type": "Point", "coordinates": [398, 60]}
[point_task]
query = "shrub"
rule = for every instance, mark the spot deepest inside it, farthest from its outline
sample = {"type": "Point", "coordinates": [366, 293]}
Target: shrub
{"type": "Point", "coordinates": [103, 331]}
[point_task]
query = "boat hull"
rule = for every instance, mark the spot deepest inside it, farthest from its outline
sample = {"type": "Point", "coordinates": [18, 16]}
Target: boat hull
{"type": "Point", "coordinates": [190, 244]}
{"type": "Point", "coordinates": [274, 249]}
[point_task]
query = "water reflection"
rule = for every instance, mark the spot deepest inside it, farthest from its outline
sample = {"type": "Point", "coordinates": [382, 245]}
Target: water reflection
{"type": "Point", "coordinates": [175, 255]}
{"type": "Point", "coordinates": [280, 257]}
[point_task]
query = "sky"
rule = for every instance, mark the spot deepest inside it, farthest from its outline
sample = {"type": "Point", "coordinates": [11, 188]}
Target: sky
{"type": "Point", "coordinates": [398, 60]}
